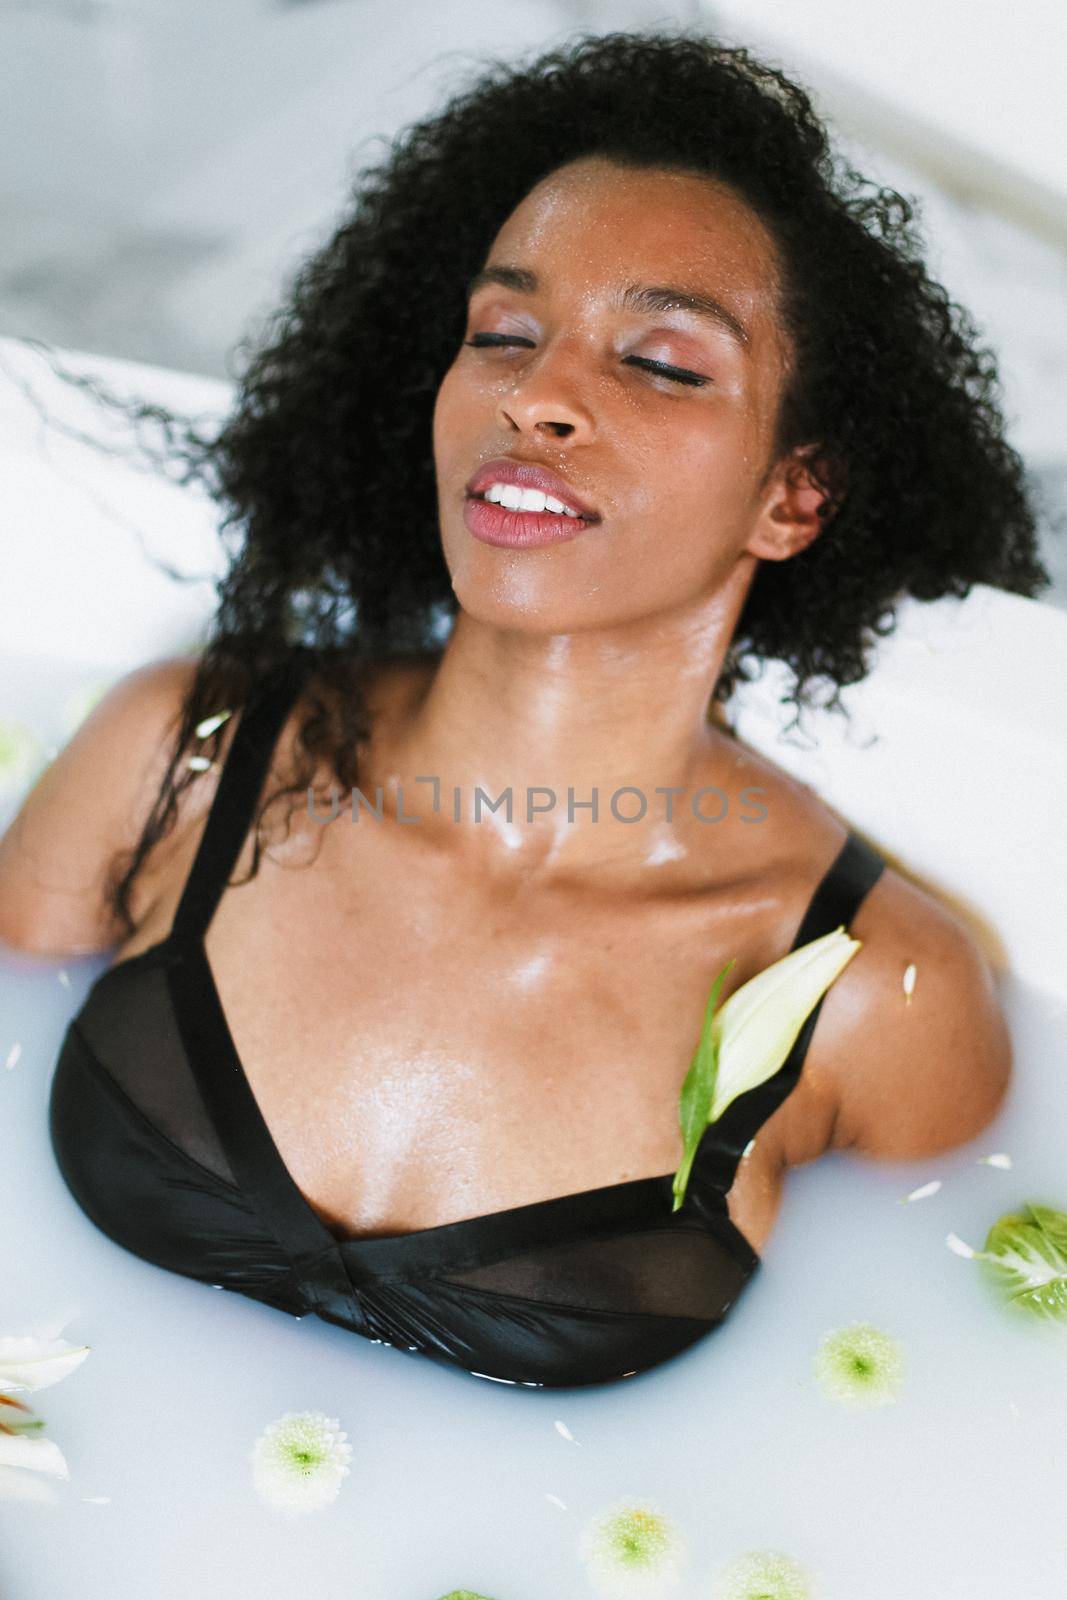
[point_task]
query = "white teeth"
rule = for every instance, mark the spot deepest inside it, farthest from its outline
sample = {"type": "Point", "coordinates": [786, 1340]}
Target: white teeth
{"type": "Point", "coordinates": [513, 498]}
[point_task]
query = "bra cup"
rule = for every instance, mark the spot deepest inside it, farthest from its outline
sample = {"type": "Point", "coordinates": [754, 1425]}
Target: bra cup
{"type": "Point", "coordinates": [525, 1341]}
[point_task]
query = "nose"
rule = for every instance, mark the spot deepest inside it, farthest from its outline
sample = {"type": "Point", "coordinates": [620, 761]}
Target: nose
{"type": "Point", "coordinates": [546, 399]}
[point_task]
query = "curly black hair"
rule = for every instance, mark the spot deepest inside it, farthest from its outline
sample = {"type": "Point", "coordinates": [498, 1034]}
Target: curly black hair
{"type": "Point", "coordinates": [332, 424]}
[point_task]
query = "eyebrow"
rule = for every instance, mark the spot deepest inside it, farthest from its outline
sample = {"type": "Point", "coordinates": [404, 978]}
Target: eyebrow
{"type": "Point", "coordinates": [640, 297]}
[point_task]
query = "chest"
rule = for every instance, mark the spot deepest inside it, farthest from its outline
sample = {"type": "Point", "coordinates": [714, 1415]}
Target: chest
{"type": "Point", "coordinates": [425, 1049]}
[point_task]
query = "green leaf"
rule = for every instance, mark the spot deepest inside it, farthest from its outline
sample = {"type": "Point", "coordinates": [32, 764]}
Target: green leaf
{"type": "Point", "coordinates": [698, 1091]}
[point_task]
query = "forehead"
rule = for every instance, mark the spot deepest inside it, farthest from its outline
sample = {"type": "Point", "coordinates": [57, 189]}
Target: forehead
{"type": "Point", "coordinates": [598, 223]}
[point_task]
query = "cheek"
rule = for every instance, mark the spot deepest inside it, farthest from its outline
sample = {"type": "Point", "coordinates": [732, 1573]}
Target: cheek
{"type": "Point", "coordinates": [696, 470]}
{"type": "Point", "coordinates": [451, 406]}
{"type": "Point", "coordinates": [442, 407]}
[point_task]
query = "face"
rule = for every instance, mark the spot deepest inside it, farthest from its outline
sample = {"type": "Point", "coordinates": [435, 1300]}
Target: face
{"type": "Point", "coordinates": [658, 418]}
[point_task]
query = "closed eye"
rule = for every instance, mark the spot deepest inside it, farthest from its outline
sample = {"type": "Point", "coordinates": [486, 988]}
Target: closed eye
{"type": "Point", "coordinates": [675, 374]}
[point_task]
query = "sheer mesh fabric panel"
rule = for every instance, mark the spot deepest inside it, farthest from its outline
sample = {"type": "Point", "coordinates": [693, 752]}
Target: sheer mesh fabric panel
{"type": "Point", "coordinates": [128, 1023]}
{"type": "Point", "coordinates": [674, 1272]}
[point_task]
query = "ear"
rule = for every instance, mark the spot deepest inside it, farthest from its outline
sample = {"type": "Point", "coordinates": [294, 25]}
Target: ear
{"type": "Point", "coordinates": [794, 510]}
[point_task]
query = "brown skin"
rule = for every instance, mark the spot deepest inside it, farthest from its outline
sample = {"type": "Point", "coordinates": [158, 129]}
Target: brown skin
{"type": "Point", "coordinates": [521, 1018]}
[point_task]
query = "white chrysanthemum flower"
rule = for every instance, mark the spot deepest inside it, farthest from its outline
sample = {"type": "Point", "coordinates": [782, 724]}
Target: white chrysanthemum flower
{"type": "Point", "coordinates": [763, 1575]}
{"type": "Point", "coordinates": [463, 1594]}
{"type": "Point", "coordinates": [859, 1365]}
{"type": "Point", "coordinates": [632, 1550]}
{"type": "Point", "coordinates": [299, 1461]}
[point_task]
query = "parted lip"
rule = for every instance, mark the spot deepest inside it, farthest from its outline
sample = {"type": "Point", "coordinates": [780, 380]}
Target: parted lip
{"type": "Point", "coordinates": [527, 475]}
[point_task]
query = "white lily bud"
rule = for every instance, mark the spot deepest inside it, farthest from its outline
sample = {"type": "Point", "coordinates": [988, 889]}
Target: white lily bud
{"type": "Point", "coordinates": [758, 1025]}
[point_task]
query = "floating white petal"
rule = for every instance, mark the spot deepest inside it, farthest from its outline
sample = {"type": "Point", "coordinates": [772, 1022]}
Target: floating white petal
{"type": "Point", "coordinates": [29, 1362]}
{"type": "Point", "coordinates": [209, 724]}
{"type": "Point", "coordinates": [39, 1455]}
{"type": "Point", "coordinates": [922, 1192]}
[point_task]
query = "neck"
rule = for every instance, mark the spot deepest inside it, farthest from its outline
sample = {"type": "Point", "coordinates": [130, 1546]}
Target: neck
{"type": "Point", "coordinates": [600, 710]}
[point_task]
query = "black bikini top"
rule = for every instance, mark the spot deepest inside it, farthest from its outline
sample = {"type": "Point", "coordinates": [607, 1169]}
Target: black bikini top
{"type": "Point", "coordinates": [161, 1142]}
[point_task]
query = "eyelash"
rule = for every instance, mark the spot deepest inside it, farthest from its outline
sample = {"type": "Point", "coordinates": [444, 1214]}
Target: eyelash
{"type": "Point", "coordinates": [674, 374]}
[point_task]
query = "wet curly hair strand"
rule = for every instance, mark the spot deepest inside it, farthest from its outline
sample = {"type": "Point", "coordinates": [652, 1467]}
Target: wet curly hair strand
{"type": "Point", "coordinates": [333, 414]}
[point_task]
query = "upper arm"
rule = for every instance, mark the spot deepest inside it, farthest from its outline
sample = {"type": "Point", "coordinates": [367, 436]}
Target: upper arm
{"type": "Point", "coordinates": [913, 1077]}
{"type": "Point", "coordinates": [87, 805]}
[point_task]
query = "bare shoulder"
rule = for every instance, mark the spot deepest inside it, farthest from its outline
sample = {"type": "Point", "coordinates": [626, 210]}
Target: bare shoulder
{"type": "Point", "coordinates": [918, 1072]}
{"type": "Point", "coordinates": [89, 803]}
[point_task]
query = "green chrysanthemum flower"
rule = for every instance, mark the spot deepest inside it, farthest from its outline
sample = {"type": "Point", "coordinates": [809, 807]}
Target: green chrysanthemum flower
{"type": "Point", "coordinates": [463, 1594]}
{"type": "Point", "coordinates": [632, 1550]}
{"type": "Point", "coordinates": [763, 1575]}
{"type": "Point", "coordinates": [81, 701]}
{"type": "Point", "coordinates": [20, 757]}
{"type": "Point", "coordinates": [859, 1365]}
{"type": "Point", "coordinates": [299, 1461]}
{"type": "Point", "coordinates": [1025, 1258]}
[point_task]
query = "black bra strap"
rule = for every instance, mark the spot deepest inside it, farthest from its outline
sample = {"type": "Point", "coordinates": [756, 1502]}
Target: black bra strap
{"type": "Point", "coordinates": [239, 786]}
{"type": "Point", "coordinates": [842, 890]}
{"type": "Point", "coordinates": [836, 901]}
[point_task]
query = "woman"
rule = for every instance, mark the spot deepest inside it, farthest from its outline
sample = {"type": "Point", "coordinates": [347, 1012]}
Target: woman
{"type": "Point", "coordinates": [629, 277]}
